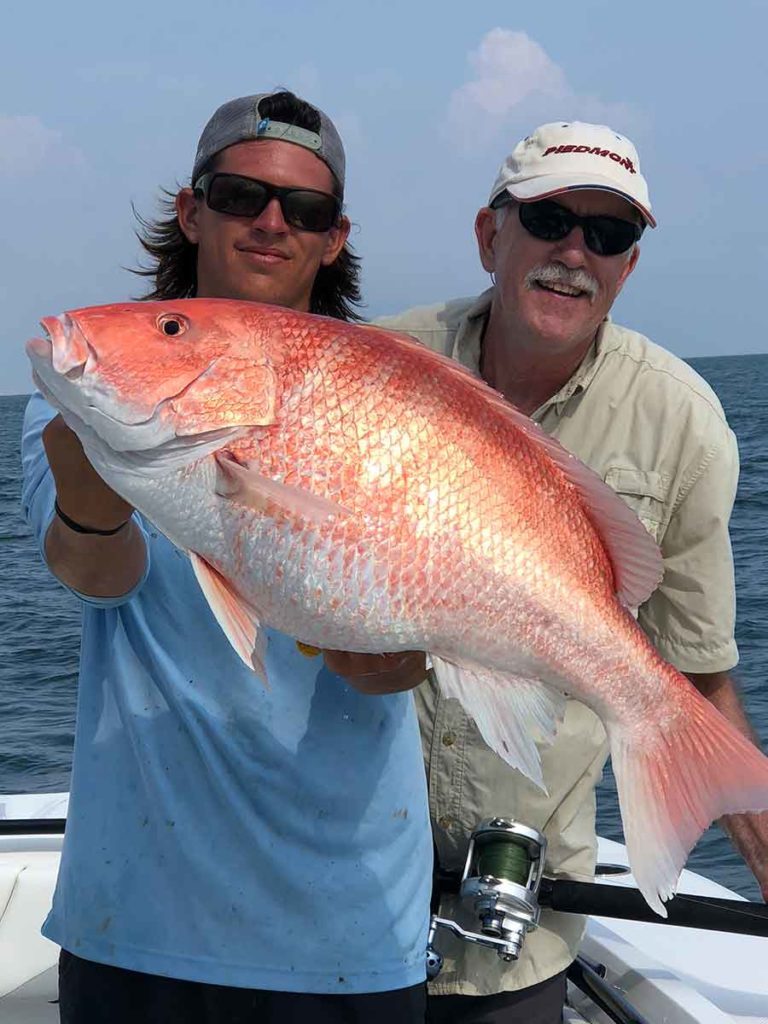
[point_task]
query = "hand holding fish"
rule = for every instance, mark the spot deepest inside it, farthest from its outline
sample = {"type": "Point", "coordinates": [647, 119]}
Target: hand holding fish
{"type": "Point", "coordinates": [749, 832]}
{"type": "Point", "coordinates": [379, 673]}
{"type": "Point", "coordinates": [80, 490]}
{"type": "Point", "coordinates": [100, 566]}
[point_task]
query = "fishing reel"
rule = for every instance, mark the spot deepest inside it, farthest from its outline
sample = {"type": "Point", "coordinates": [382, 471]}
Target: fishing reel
{"type": "Point", "coordinates": [501, 880]}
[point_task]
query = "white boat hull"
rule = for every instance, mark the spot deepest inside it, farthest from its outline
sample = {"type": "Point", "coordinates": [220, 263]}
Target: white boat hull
{"type": "Point", "coordinates": [670, 974]}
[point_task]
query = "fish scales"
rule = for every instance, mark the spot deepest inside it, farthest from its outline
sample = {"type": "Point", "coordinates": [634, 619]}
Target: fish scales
{"type": "Point", "coordinates": [348, 487]}
{"type": "Point", "coordinates": [373, 478]}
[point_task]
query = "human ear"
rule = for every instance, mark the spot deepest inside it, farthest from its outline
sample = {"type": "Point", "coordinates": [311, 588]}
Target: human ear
{"type": "Point", "coordinates": [485, 232]}
{"type": "Point", "coordinates": [337, 238]}
{"type": "Point", "coordinates": [630, 266]}
{"type": "Point", "coordinates": [187, 212]}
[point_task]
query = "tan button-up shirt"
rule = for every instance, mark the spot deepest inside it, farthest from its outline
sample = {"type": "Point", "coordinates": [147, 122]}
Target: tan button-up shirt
{"type": "Point", "coordinates": [656, 433]}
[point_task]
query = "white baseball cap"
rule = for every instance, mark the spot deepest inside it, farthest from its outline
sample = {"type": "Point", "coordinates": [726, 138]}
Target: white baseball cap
{"type": "Point", "coordinates": [562, 157]}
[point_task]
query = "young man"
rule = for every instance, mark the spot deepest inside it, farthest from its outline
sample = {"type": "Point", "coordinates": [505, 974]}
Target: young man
{"type": "Point", "coordinates": [560, 238]}
{"type": "Point", "coordinates": [232, 853]}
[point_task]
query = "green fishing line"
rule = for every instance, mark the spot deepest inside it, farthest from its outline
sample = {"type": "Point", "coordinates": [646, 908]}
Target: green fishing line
{"type": "Point", "coordinates": [508, 861]}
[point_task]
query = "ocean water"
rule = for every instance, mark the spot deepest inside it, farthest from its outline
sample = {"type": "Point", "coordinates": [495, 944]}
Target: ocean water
{"type": "Point", "coordinates": [40, 621]}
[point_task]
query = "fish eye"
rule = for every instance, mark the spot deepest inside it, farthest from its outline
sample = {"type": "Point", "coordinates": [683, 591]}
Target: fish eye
{"type": "Point", "coordinates": [172, 324]}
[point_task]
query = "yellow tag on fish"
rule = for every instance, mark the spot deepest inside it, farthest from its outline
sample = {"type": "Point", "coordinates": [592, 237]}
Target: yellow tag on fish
{"type": "Point", "coordinates": [307, 650]}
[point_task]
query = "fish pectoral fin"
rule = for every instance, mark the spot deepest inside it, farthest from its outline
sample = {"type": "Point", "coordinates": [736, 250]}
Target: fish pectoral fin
{"type": "Point", "coordinates": [246, 486]}
{"type": "Point", "coordinates": [238, 620]}
{"type": "Point", "coordinates": [509, 710]}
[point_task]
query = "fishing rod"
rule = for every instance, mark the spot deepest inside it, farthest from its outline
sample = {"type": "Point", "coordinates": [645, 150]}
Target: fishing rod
{"type": "Point", "coordinates": [32, 826]}
{"type": "Point", "coordinates": [684, 910]}
{"type": "Point", "coordinates": [503, 880]}
{"type": "Point", "coordinates": [589, 978]}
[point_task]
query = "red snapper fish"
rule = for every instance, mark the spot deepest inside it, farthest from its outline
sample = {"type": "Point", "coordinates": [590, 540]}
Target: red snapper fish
{"type": "Point", "coordinates": [350, 488]}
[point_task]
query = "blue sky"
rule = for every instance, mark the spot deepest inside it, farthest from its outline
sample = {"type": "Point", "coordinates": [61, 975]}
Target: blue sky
{"type": "Point", "coordinates": [101, 104]}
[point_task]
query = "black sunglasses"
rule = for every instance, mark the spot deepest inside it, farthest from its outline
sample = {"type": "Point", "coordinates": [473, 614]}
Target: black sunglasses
{"type": "Point", "coordinates": [239, 196]}
{"type": "Point", "coordinates": [551, 222]}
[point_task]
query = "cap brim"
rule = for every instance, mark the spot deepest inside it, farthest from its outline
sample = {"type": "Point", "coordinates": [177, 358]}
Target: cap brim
{"type": "Point", "coordinates": [552, 185]}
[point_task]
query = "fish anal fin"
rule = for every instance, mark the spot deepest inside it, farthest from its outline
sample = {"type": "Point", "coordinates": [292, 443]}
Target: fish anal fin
{"type": "Point", "coordinates": [510, 711]}
{"type": "Point", "coordinates": [237, 619]}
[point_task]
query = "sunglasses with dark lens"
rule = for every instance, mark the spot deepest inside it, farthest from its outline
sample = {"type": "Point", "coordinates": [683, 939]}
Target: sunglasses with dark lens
{"type": "Point", "coordinates": [239, 196]}
{"type": "Point", "coordinates": [603, 235]}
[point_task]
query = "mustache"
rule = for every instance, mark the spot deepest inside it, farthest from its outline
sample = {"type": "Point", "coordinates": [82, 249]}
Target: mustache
{"type": "Point", "coordinates": [557, 273]}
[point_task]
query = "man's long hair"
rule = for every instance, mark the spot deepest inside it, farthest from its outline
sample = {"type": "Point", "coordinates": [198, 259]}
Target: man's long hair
{"type": "Point", "coordinates": [173, 258]}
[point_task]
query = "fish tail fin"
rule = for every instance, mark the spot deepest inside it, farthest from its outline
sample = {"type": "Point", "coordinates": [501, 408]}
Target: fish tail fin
{"type": "Point", "coordinates": [673, 786]}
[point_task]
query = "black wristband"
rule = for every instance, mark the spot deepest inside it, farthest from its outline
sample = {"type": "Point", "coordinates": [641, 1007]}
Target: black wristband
{"type": "Point", "coordinates": [79, 528]}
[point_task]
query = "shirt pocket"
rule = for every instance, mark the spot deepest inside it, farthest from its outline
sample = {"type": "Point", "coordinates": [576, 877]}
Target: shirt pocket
{"type": "Point", "coordinates": [646, 493]}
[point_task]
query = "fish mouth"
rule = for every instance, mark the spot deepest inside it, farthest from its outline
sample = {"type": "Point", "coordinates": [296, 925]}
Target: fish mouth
{"type": "Point", "coordinates": [144, 453]}
{"type": "Point", "coordinates": [60, 354]}
{"type": "Point", "coordinates": [63, 353]}
{"type": "Point", "coordinates": [65, 346]}
{"type": "Point", "coordinates": [65, 350]}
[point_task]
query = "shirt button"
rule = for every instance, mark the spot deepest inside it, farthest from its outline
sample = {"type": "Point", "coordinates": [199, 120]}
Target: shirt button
{"type": "Point", "coordinates": [445, 822]}
{"type": "Point", "coordinates": [449, 738]}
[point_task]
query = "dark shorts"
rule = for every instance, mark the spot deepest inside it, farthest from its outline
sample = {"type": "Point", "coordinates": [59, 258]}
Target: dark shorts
{"type": "Point", "coordinates": [539, 1004]}
{"type": "Point", "coordinates": [91, 993]}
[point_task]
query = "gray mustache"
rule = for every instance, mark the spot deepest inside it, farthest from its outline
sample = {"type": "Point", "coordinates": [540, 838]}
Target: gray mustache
{"type": "Point", "coordinates": [556, 273]}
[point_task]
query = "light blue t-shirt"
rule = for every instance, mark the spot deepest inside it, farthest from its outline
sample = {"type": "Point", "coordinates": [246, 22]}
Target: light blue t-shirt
{"type": "Point", "coordinates": [220, 831]}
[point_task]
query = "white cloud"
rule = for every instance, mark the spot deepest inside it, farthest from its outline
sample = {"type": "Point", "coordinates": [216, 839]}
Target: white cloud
{"type": "Point", "coordinates": [514, 80]}
{"type": "Point", "coordinates": [26, 145]}
{"type": "Point", "coordinates": [509, 68]}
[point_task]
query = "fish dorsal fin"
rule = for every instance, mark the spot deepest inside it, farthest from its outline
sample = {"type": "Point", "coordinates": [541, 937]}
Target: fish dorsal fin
{"type": "Point", "coordinates": [634, 554]}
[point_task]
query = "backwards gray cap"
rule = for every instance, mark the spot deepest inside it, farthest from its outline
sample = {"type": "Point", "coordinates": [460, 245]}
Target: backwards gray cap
{"type": "Point", "coordinates": [240, 121]}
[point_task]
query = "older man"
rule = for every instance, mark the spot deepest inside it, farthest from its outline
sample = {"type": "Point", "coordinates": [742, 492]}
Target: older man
{"type": "Point", "coordinates": [559, 237]}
